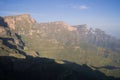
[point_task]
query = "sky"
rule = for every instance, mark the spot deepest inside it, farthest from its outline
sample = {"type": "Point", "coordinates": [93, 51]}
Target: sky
{"type": "Point", "coordinates": [103, 14]}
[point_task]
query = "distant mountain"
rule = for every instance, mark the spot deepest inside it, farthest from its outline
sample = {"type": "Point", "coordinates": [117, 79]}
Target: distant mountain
{"type": "Point", "coordinates": [21, 36]}
{"type": "Point", "coordinates": [98, 38]}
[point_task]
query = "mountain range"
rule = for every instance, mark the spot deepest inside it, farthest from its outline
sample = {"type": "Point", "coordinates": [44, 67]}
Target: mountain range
{"type": "Point", "coordinates": [22, 36]}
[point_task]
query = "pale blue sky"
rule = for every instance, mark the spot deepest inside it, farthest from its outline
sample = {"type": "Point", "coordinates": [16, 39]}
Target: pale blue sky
{"type": "Point", "coordinates": [104, 14]}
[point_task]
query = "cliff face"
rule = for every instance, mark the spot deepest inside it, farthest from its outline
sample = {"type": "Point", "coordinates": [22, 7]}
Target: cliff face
{"type": "Point", "coordinates": [11, 43]}
{"type": "Point", "coordinates": [58, 31]}
{"type": "Point", "coordinates": [2, 31]}
{"type": "Point", "coordinates": [62, 24]}
{"type": "Point", "coordinates": [12, 21]}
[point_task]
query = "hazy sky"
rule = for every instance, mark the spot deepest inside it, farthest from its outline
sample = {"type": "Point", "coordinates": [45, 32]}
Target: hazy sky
{"type": "Point", "coordinates": [104, 14]}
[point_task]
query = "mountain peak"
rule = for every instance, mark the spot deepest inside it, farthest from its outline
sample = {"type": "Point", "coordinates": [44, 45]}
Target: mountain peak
{"type": "Point", "coordinates": [18, 19]}
{"type": "Point", "coordinates": [60, 24]}
{"type": "Point", "coordinates": [20, 15]}
{"type": "Point", "coordinates": [24, 15]}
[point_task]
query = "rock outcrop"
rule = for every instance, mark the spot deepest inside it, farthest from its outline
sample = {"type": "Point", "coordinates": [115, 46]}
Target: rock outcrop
{"type": "Point", "coordinates": [13, 21]}
{"type": "Point", "coordinates": [2, 31]}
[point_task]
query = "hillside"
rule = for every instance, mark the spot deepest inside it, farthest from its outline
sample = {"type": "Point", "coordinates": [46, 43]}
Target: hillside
{"type": "Point", "coordinates": [22, 36]}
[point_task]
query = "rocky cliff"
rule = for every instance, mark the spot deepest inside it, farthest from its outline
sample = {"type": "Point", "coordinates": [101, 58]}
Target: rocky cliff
{"type": "Point", "coordinates": [21, 36]}
{"type": "Point", "coordinates": [24, 19]}
{"type": "Point", "coordinates": [10, 40]}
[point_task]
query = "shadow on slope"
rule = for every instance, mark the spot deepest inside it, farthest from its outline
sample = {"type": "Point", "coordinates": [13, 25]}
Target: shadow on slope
{"type": "Point", "coordinates": [12, 68]}
{"type": "Point", "coordinates": [6, 42]}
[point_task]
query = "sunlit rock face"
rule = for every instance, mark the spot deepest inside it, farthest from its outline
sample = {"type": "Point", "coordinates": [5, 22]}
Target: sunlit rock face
{"type": "Point", "coordinates": [2, 31]}
{"type": "Point", "coordinates": [12, 21]}
{"type": "Point", "coordinates": [64, 25]}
